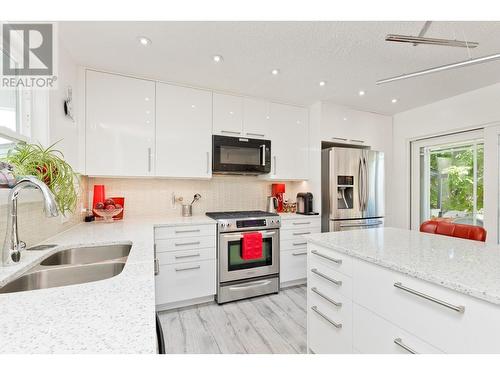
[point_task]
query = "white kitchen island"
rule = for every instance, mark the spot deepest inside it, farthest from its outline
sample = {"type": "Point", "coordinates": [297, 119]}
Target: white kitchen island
{"type": "Point", "coordinates": [389, 290]}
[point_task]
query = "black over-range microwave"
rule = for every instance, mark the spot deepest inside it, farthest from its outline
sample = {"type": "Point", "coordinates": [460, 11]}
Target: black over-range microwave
{"type": "Point", "coordinates": [238, 155]}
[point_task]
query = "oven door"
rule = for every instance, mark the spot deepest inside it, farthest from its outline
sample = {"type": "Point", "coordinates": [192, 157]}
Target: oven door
{"type": "Point", "coordinates": [241, 155]}
{"type": "Point", "coordinates": [233, 267]}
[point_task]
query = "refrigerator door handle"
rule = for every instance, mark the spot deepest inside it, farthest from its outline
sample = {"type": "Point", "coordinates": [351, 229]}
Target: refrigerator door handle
{"type": "Point", "coordinates": [365, 184]}
{"type": "Point", "coordinates": [360, 184]}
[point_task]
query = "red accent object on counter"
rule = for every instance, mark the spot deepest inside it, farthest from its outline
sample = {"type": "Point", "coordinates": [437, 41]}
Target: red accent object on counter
{"type": "Point", "coordinates": [252, 246]}
{"type": "Point", "coordinates": [277, 191]}
{"type": "Point", "coordinates": [120, 201]}
{"type": "Point", "coordinates": [99, 195]}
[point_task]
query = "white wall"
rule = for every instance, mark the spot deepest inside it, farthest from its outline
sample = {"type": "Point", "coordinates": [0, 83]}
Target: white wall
{"type": "Point", "coordinates": [474, 109]}
{"type": "Point", "coordinates": [62, 127]}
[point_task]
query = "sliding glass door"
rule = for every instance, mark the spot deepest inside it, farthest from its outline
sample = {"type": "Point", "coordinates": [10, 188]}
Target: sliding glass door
{"type": "Point", "coordinates": [448, 179]}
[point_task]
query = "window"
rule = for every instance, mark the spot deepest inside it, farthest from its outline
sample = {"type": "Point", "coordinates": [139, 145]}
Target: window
{"type": "Point", "coordinates": [448, 179]}
{"type": "Point", "coordinates": [15, 110]}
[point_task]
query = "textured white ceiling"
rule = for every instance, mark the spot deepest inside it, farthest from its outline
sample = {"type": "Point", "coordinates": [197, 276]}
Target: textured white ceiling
{"type": "Point", "coordinates": [349, 55]}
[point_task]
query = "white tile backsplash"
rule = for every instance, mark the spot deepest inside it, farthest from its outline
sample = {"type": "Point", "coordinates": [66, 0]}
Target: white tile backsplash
{"type": "Point", "coordinates": [221, 193]}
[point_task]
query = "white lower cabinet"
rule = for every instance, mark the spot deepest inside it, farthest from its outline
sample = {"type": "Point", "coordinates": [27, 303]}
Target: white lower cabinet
{"type": "Point", "coordinates": [329, 323]}
{"type": "Point", "coordinates": [186, 260]}
{"type": "Point", "coordinates": [185, 281]}
{"type": "Point", "coordinates": [293, 247]}
{"type": "Point", "coordinates": [391, 311]}
{"type": "Point", "coordinates": [375, 335]}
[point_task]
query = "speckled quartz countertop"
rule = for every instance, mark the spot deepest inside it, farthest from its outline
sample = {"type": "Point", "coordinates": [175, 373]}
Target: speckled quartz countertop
{"type": "Point", "coordinates": [115, 315]}
{"type": "Point", "coordinates": [468, 267]}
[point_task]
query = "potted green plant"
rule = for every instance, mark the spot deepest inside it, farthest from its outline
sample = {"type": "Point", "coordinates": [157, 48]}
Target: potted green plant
{"type": "Point", "coordinates": [48, 165]}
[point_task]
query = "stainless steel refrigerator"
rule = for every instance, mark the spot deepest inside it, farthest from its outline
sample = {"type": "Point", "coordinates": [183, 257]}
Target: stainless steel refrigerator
{"type": "Point", "coordinates": [352, 189]}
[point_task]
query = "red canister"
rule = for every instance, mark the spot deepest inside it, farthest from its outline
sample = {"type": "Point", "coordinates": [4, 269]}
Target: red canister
{"type": "Point", "coordinates": [99, 195]}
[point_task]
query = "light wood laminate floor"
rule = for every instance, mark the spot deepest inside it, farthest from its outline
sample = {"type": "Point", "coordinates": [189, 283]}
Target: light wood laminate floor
{"type": "Point", "coordinates": [260, 325]}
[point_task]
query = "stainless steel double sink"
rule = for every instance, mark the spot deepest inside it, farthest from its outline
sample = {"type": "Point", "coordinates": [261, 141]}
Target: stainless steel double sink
{"type": "Point", "coordinates": [72, 266]}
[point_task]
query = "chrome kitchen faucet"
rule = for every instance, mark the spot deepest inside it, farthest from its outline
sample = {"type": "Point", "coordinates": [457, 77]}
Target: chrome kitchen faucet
{"type": "Point", "coordinates": [12, 246]}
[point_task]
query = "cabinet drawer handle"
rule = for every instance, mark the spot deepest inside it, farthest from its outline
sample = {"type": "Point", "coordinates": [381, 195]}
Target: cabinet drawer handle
{"type": "Point", "coordinates": [300, 233]}
{"type": "Point", "coordinates": [299, 253]}
{"type": "Point", "coordinates": [336, 282]}
{"type": "Point", "coordinates": [229, 132]}
{"type": "Point", "coordinates": [335, 324]}
{"type": "Point", "coordinates": [187, 243]}
{"type": "Point", "coordinates": [357, 140]}
{"type": "Point", "coordinates": [334, 303]}
{"type": "Point", "coordinates": [256, 134]}
{"type": "Point", "coordinates": [457, 308]}
{"type": "Point", "coordinates": [187, 256]}
{"type": "Point", "coordinates": [338, 261]}
{"type": "Point", "coordinates": [187, 268]}
{"type": "Point", "coordinates": [187, 231]}
{"type": "Point", "coordinates": [339, 139]}
{"type": "Point", "coordinates": [299, 243]}
{"type": "Point", "coordinates": [301, 222]}
{"type": "Point", "coordinates": [399, 342]}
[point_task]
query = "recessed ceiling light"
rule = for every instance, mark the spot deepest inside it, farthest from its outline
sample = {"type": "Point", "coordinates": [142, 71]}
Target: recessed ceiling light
{"type": "Point", "coordinates": [322, 83]}
{"type": "Point", "coordinates": [218, 58]}
{"type": "Point", "coordinates": [146, 99]}
{"type": "Point", "coordinates": [345, 118]}
{"type": "Point", "coordinates": [394, 100]}
{"type": "Point", "coordinates": [144, 41]}
{"type": "Point", "coordinates": [275, 72]}
{"type": "Point", "coordinates": [361, 93]}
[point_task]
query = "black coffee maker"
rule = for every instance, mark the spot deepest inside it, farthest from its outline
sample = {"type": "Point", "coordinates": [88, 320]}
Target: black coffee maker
{"type": "Point", "coordinates": [305, 204]}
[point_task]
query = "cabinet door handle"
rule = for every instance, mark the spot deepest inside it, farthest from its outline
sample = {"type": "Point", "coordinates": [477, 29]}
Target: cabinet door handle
{"type": "Point", "coordinates": [299, 253]}
{"type": "Point", "coordinates": [149, 159]}
{"type": "Point", "coordinates": [256, 134]}
{"type": "Point", "coordinates": [274, 158]}
{"type": "Point", "coordinates": [399, 342]}
{"type": "Point", "coordinates": [187, 243]}
{"type": "Point", "coordinates": [157, 266]}
{"type": "Point", "coordinates": [229, 132]}
{"type": "Point", "coordinates": [335, 324]}
{"type": "Point", "coordinates": [457, 308]}
{"type": "Point", "coordinates": [336, 282]}
{"type": "Point", "coordinates": [187, 268]}
{"type": "Point", "coordinates": [299, 243]}
{"type": "Point", "coordinates": [334, 303]}
{"type": "Point", "coordinates": [208, 162]}
{"type": "Point", "coordinates": [187, 256]}
{"type": "Point", "coordinates": [357, 140]}
{"type": "Point", "coordinates": [316, 252]}
{"type": "Point", "coordinates": [187, 231]}
{"type": "Point", "coordinates": [301, 223]}
{"type": "Point", "coordinates": [300, 233]}
{"type": "Point", "coordinates": [339, 139]}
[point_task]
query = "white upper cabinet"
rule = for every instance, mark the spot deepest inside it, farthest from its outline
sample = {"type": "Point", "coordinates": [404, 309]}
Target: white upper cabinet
{"type": "Point", "coordinates": [289, 142]}
{"type": "Point", "coordinates": [120, 125]}
{"type": "Point", "coordinates": [345, 125]}
{"type": "Point", "coordinates": [183, 132]}
{"type": "Point", "coordinates": [228, 115]}
{"type": "Point", "coordinates": [256, 118]}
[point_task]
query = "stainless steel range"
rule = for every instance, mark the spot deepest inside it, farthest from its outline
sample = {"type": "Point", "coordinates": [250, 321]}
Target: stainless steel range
{"type": "Point", "coordinates": [239, 278]}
